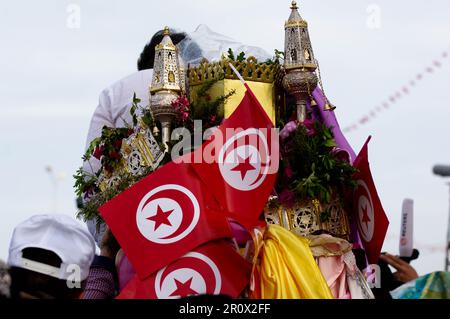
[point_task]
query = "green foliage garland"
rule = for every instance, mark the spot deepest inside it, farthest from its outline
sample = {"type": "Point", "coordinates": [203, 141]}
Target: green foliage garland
{"type": "Point", "coordinates": [311, 168]}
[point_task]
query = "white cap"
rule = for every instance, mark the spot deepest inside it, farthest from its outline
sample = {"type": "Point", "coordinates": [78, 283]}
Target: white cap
{"type": "Point", "coordinates": [60, 234]}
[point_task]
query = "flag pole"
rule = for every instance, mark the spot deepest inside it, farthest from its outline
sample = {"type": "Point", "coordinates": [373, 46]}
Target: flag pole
{"type": "Point", "coordinates": [247, 87]}
{"type": "Point", "coordinates": [237, 74]}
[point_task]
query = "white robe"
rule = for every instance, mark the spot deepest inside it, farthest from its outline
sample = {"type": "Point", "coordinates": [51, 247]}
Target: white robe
{"type": "Point", "coordinates": [114, 106]}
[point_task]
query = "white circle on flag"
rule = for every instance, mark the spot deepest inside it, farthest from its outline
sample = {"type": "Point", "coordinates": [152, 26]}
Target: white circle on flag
{"type": "Point", "coordinates": [366, 221]}
{"type": "Point", "coordinates": [244, 166]}
{"type": "Point", "coordinates": [191, 278]}
{"type": "Point", "coordinates": [163, 220]}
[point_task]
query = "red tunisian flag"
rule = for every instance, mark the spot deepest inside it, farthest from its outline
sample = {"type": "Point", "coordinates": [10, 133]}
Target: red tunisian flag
{"type": "Point", "coordinates": [214, 268]}
{"type": "Point", "coordinates": [239, 163]}
{"type": "Point", "coordinates": [164, 216]}
{"type": "Point", "coordinates": [368, 212]}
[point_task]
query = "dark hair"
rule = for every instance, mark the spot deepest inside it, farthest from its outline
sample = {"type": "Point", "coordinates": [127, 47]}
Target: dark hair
{"type": "Point", "coordinates": [147, 56]}
{"type": "Point", "coordinates": [39, 285]}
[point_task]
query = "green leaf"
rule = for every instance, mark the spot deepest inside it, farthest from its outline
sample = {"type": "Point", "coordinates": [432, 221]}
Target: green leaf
{"type": "Point", "coordinates": [135, 99]}
{"type": "Point", "coordinates": [241, 57]}
{"type": "Point", "coordinates": [279, 53]}
{"type": "Point", "coordinates": [94, 143]}
{"type": "Point", "coordinates": [133, 114]}
{"type": "Point", "coordinates": [231, 55]}
{"type": "Point", "coordinates": [330, 143]}
{"type": "Point", "coordinates": [148, 120]}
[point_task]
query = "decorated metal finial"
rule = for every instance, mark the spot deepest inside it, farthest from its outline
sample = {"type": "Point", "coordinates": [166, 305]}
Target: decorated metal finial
{"type": "Point", "coordinates": [300, 65]}
{"type": "Point", "coordinates": [166, 30]}
{"type": "Point", "coordinates": [166, 83]}
{"type": "Point", "coordinates": [294, 5]}
{"type": "Point", "coordinates": [298, 48]}
{"type": "Point", "coordinates": [166, 73]}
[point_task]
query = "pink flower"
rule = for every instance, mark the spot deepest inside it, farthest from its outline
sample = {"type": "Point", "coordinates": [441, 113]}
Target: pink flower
{"type": "Point", "coordinates": [184, 116]}
{"type": "Point", "coordinates": [98, 152]}
{"type": "Point", "coordinates": [118, 144]}
{"type": "Point", "coordinates": [183, 101]}
{"type": "Point", "coordinates": [114, 155]}
{"type": "Point", "coordinates": [288, 172]}
{"type": "Point", "coordinates": [288, 129]}
{"type": "Point", "coordinates": [181, 105]}
{"type": "Point", "coordinates": [309, 124]}
{"type": "Point", "coordinates": [212, 119]}
{"type": "Point", "coordinates": [341, 154]}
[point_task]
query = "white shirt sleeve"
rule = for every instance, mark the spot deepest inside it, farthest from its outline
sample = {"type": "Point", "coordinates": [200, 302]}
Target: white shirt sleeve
{"type": "Point", "coordinates": [101, 117]}
{"type": "Point", "coordinates": [113, 110]}
{"type": "Point", "coordinates": [114, 106]}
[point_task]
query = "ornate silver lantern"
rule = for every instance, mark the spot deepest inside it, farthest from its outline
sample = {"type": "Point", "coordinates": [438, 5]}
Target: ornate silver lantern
{"type": "Point", "coordinates": [299, 62]}
{"type": "Point", "coordinates": [166, 84]}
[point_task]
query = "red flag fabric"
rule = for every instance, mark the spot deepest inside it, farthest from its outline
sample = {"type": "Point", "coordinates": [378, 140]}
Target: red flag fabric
{"type": "Point", "coordinates": [239, 163]}
{"type": "Point", "coordinates": [368, 211]}
{"type": "Point", "coordinates": [164, 216]}
{"type": "Point", "coordinates": [214, 268]}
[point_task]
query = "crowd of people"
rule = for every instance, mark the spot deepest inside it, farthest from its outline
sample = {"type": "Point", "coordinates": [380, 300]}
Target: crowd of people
{"type": "Point", "coordinates": [53, 257]}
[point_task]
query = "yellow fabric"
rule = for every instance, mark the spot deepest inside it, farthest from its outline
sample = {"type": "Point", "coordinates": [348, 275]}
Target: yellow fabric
{"type": "Point", "coordinates": [263, 91]}
{"type": "Point", "coordinates": [288, 269]}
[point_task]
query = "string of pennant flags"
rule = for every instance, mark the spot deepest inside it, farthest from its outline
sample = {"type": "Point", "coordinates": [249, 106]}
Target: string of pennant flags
{"type": "Point", "coordinates": [389, 103]}
{"type": "Point", "coordinates": [402, 92]}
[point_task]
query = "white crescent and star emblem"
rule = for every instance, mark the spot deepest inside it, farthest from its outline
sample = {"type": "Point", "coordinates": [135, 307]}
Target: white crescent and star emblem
{"type": "Point", "coordinates": [192, 274]}
{"type": "Point", "coordinates": [167, 214]}
{"type": "Point", "coordinates": [366, 221]}
{"type": "Point", "coordinates": [244, 160]}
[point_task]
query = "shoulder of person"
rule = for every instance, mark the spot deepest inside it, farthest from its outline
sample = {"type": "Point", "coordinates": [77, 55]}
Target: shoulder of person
{"type": "Point", "coordinates": [123, 89]}
{"type": "Point", "coordinates": [136, 78]}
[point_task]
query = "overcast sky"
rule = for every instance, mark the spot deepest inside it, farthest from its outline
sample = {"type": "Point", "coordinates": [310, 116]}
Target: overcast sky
{"type": "Point", "coordinates": [51, 75]}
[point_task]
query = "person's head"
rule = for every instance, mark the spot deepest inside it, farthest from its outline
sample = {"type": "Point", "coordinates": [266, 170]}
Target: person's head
{"type": "Point", "coordinates": [196, 46]}
{"type": "Point", "coordinates": [50, 257]}
{"type": "Point", "coordinates": [147, 57]}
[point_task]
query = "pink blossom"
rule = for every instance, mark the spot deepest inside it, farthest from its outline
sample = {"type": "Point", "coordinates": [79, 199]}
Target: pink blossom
{"type": "Point", "coordinates": [288, 172]}
{"type": "Point", "coordinates": [181, 105]}
{"type": "Point", "coordinates": [212, 119]}
{"type": "Point", "coordinates": [341, 154]}
{"type": "Point", "coordinates": [309, 124]}
{"type": "Point", "coordinates": [288, 129]}
{"type": "Point", "coordinates": [98, 152]}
